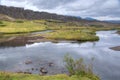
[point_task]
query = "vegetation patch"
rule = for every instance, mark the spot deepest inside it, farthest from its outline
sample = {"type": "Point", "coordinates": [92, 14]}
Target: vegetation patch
{"type": "Point", "coordinates": [79, 35]}
{"type": "Point", "coordinates": [79, 68]}
{"type": "Point", "coordinates": [19, 21]}
{"type": "Point", "coordinates": [61, 30]}
{"type": "Point", "coordinates": [1, 22]}
{"type": "Point", "coordinates": [15, 76]}
{"type": "Point", "coordinates": [19, 27]}
{"type": "Point", "coordinates": [76, 68]}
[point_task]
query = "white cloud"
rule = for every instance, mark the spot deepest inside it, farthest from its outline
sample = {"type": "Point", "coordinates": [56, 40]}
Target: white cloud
{"type": "Point", "coordinates": [107, 18]}
{"type": "Point", "coordinates": [23, 4]}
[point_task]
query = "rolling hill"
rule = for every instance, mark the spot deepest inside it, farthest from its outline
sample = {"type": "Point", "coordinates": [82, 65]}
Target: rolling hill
{"type": "Point", "coordinates": [20, 13]}
{"type": "Point", "coordinates": [11, 13]}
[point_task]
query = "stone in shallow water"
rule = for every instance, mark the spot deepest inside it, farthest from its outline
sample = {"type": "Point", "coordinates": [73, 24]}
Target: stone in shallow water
{"type": "Point", "coordinates": [28, 62]}
{"type": "Point", "coordinates": [116, 48]}
{"type": "Point", "coordinates": [43, 70]}
{"type": "Point", "coordinates": [51, 64]}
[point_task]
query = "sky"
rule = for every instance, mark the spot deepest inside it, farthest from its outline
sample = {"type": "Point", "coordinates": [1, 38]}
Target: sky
{"type": "Point", "coordinates": [98, 9]}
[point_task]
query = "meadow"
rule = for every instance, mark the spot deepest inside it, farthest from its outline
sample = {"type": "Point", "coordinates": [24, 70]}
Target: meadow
{"type": "Point", "coordinates": [18, 27]}
{"type": "Point", "coordinates": [60, 30]}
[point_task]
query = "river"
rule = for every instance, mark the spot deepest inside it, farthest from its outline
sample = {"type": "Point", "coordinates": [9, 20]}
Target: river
{"type": "Point", "coordinates": [106, 61]}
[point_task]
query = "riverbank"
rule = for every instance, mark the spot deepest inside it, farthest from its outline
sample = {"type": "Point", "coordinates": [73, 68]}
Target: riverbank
{"type": "Point", "coordinates": [76, 69]}
{"type": "Point", "coordinates": [27, 32]}
{"type": "Point", "coordinates": [16, 76]}
{"type": "Point", "coordinates": [22, 40]}
{"type": "Point", "coordinates": [20, 33]}
{"type": "Point", "coordinates": [116, 48]}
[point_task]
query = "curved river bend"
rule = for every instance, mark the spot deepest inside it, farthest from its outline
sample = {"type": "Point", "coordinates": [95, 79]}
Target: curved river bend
{"type": "Point", "coordinates": [106, 63]}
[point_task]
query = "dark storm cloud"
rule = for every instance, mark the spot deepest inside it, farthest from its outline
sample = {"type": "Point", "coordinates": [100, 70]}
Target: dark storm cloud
{"type": "Point", "coordinates": [84, 8]}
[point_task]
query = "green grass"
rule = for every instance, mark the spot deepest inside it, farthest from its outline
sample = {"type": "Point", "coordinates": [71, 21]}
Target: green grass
{"type": "Point", "coordinates": [79, 35]}
{"type": "Point", "coordinates": [61, 30]}
{"type": "Point", "coordinates": [79, 68]}
{"type": "Point", "coordinates": [20, 27]}
{"type": "Point", "coordinates": [76, 68]}
{"type": "Point", "coordinates": [16, 76]}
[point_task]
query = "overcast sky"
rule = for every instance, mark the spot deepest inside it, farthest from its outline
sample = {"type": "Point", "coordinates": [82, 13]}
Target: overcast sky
{"type": "Point", "coordinates": [99, 9]}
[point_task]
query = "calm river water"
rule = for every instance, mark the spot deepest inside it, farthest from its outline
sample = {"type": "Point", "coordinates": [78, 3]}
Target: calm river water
{"type": "Point", "coordinates": [106, 63]}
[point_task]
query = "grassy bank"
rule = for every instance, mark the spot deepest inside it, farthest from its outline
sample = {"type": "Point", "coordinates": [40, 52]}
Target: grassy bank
{"type": "Point", "coordinates": [79, 35]}
{"type": "Point", "coordinates": [18, 27]}
{"type": "Point", "coordinates": [77, 70]}
{"type": "Point", "coordinates": [16, 76]}
{"type": "Point", "coordinates": [61, 30]}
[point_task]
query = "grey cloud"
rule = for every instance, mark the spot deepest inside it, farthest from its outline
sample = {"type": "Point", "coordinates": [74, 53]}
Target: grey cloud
{"type": "Point", "coordinates": [51, 4]}
{"type": "Point", "coordinates": [46, 4]}
{"type": "Point", "coordinates": [100, 8]}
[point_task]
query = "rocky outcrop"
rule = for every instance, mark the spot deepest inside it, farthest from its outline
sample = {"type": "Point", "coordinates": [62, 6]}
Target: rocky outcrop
{"type": "Point", "coordinates": [6, 18]}
{"type": "Point", "coordinates": [21, 13]}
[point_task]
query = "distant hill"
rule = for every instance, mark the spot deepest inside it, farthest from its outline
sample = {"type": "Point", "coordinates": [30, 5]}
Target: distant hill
{"type": "Point", "coordinates": [90, 19]}
{"type": "Point", "coordinates": [20, 13]}
{"type": "Point", "coordinates": [11, 13]}
{"type": "Point", "coordinates": [113, 21]}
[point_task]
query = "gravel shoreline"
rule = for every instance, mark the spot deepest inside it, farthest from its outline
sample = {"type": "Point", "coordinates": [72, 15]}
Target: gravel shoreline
{"type": "Point", "coordinates": [116, 48]}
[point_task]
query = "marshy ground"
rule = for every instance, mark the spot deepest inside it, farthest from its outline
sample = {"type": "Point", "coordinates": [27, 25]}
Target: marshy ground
{"type": "Point", "coordinates": [22, 31]}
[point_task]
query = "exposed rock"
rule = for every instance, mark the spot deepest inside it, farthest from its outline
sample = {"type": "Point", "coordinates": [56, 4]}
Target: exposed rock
{"type": "Point", "coordinates": [36, 69]}
{"type": "Point", "coordinates": [43, 70]}
{"type": "Point", "coordinates": [28, 62]}
{"type": "Point", "coordinates": [118, 32]}
{"type": "Point", "coordinates": [27, 72]}
{"type": "Point", "coordinates": [116, 48]}
{"type": "Point", "coordinates": [24, 72]}
{"type": "Point", "coordinates": [32, 69]}
{"type": "Point", "coordinates": [21, 13]}
{"type": "Point", "coordinates": [51, 64]}
{"type": "Point", "coordinates": [19, 72]}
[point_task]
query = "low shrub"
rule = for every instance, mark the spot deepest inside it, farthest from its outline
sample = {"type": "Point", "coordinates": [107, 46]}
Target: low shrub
{"type": "Point", "coordinates": [19, 21]}
{"type": "Point", "coordinates": [2, 25]}
{"type": "Point", "coordinates": [79, 68]}
{"type": "Point", "coordinates": [1, 22]}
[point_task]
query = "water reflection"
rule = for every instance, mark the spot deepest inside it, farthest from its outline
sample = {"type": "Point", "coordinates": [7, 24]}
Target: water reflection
{"type": "Point", "coordinates": [106, 62]}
